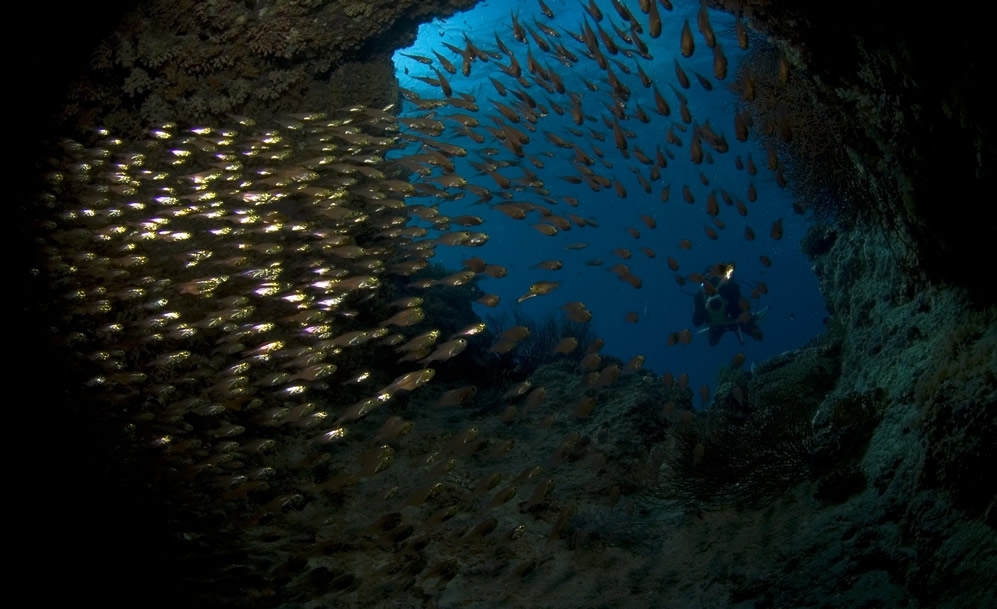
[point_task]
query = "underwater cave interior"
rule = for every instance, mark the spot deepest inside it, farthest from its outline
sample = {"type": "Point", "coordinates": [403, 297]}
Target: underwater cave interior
{"type": "Point", "coordinates": [447, 351]}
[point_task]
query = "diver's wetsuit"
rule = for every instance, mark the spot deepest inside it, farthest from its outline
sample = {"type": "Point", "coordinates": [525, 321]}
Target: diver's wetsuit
{"type": "Point", "coordinates": [721, 312]}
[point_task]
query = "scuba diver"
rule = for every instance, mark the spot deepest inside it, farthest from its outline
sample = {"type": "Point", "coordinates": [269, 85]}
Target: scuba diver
{"type": "Point", "coordinates": [721, 308]}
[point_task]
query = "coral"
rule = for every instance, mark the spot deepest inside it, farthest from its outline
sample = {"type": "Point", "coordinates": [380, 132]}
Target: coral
{"type": "Point", "coordinates": [537, 349]}
{"type": "Point", "coordinates": [617, 526]}
{"type": "Point", "coordinates": [968, 351]}
{"type": "Point", "coordinates": [357, 9]}
{"type": "Point", "coordinates": [752, 444]}
{"type": "Point", "coordinates": [959, 402]}
{"type": "Point", "coordinates": [801, 377]}
{"type": "Point", "coordinates": [725, 459]}
{"type": "Point", "coordinates": [372, 80]}
{"type": "Point", "coordinates": [138, 82]}
{"type": "Point", "coordinates": [793, 118]}
{"type": "Point", "coordinates": [843, 429]}
{"type": "Point", "coordinates": [818, 239]}
{"type": "Point", "coordinates": [901, 133]}
{"type": "Point", "coordinates": [281, 53]}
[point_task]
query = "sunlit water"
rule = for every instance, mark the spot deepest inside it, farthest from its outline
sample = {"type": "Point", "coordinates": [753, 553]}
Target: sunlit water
{"type": "Point", "coordinates": [796, 310]}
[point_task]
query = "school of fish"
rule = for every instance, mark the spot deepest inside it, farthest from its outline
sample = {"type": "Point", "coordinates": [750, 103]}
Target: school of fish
{"type": "Point", "coordinates": [492, 148]}
{"type": "Point", "coordinates": [250, 302]}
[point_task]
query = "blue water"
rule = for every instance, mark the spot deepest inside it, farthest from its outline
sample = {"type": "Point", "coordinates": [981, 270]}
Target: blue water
{"type": "Point", "coordinates": [795, 307]}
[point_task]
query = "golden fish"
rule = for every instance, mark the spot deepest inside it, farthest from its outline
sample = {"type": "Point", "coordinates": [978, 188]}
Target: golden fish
{"type": "Point", "coordinates": [489, 300]}
{"type": "Point", "coordinates": [684, 112]}
{"type": "Point", "coordinates": [503, 346]}
{"type": "Point", "coordinates": [593, 10]}
{"type": "Point", "coordinates": [411, 380]}
{"type": "Point", "coordinates": [517, 390]}
{"type": "Point", "coordinates": [704, 394]}
{"type": "Point", "coordinates": [516, 333]}
{"type": "Point", "coordinates": [688, 45]}
{"type": "Point", "coordinates": [719, 63]}
{"type": "Point", "coordinates": [740, 130]}
{"type": "Point", "coordinates": [712, 206]}
{"type": "Point", "coordinates": [470, 330]}
{"type": "Point", "coordinates": [771, 158]}
{"type": "Point", "coordinates": [607, 376]}
{"type": "Point", "coordinates": [666, 192]}
{"type": "Point", "coordinates": [703, 82]}
{"type": "Point", "coordinates": [376, 460]}
{"type": "Point", "coordinates": [634, 281]}
{"type": "Point", "coordinates": [590, 362]}
{"type": "Point", "coordinates": [584, 407]}
{"type": "Point", "coordinates": [456, 397]}
{"type": "Point", "coordinates": [654, 19]}
{"type": "Point", "coordinates": [561, 223]}
{"type": "Point", "coordinates": [420, 342]}
{"type": "Point", "coordinates": [660, 105]}
{"type": "Point", "coordinates": [566, 345]}
{"type": "Point", "coordinates": [621, 192]}
{"type": "Point", "coordinates": [607, 41]}
{"type": "Point", "coordinates": [475, 264]}
{"type": "Point", "coordinates": [595, 346]}
{"type": "Point", "coordinates": [681, 76]}
{"type": "Point", "coordinates": [539, 288]}
{"type": "Point", "coordinates": [456, 279]}
{"type": "Point", "coordinates": [495, 270]}
{"type": "Point", "coordinates": [499, 87]}
{"type": "Point", "coordinates": [487, 483]}
{"type": "Point", "coordinates": [447, 65]}
{"type": "Point", "coordinates": [577, 312]}
{"type": "Point", "coordinates": [392, 429]}
{"type": "Point", "coordinates": [503, 496]}
{"type": "Point", "coordinates": [742, 33]}
{"type": "Point", "coordinates": [423, 60]}
{"type": "Point", "coordinates": [443, 83]}
{"type": "Point", "coordinates": [550, 265]}
{"type": "Point", "coordinates": [635, 363]}
{"type": "Point", "coordinates": [545, 229]}
{"type": "Point", "coordinates": [405, 317]}
{"type": "Point", "coordinates": [742, 209]}
{"type": "Point", "coordinates": [687, 194]}
{"type": "Point", "coordinates": [696, 148]}
{"type": "Point", "coordinates": [516, 211]}
{"type": "Point", "coordinates": [536, 397]}
{"type": "Point", "coordinates": [747, 83]}
{"type": "Point", "coordinates": [315, 372]}
{"type": "Point", "coordinates": [703, 20]}
{"type": "Point", "coordinates": [446, 350]}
